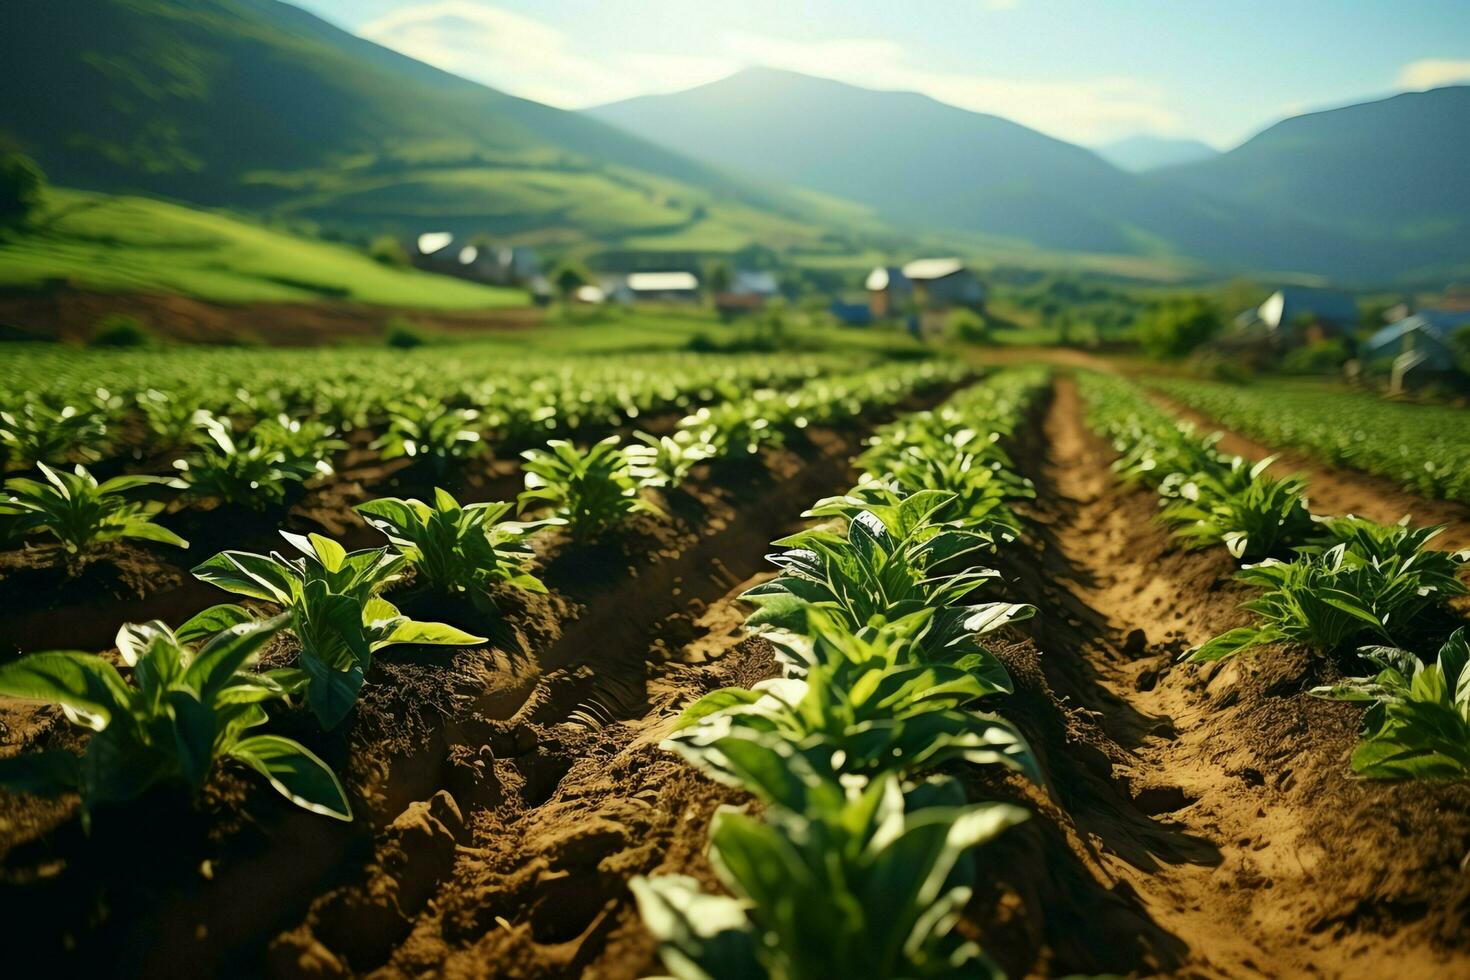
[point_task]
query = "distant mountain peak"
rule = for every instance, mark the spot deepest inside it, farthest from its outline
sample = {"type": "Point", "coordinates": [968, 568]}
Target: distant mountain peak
{"type": "Point", "coordinates": [1142, 152]}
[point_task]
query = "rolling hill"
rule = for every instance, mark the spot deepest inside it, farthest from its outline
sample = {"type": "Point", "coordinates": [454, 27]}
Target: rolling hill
{"type": "Point", "coordinates": [258, 105]}
{"type": "Point", "coordinates": [129, 244]}
{"type": "Point", "coordinates": [1141, 153]}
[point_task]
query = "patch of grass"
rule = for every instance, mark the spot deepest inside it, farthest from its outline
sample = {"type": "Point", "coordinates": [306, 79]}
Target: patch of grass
{"type": "Point", "coordinates": [132, 244]}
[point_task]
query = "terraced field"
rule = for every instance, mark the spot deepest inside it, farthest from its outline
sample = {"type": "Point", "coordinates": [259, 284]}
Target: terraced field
{"type": "Point", "coordinates": [797, 666]}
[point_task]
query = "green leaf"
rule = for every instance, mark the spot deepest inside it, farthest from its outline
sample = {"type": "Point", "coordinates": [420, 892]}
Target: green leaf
{"type": "Point", "coordinates": [194, 732]}
{"type": "Point", "coordinates": [213, 620]}
{"type": "Point", "coordinates": [229, 652]}
{"type": "Point", "coordinates": [1230, 643]}
{"type": "Point", "coordinates": [146, 531]}
{"type": "Point", "coordinates": [715, 701]}
{"type": "Point", "coordinates": [437, 634]}
{"type": "Point", "coordinates": [331, 692]}
{"type": "Point", "coordinates": [87, 687]}
{"type": "Point", "coordinates": [700, 936]}
{"type": "Point", "coordinates": [296, 773]}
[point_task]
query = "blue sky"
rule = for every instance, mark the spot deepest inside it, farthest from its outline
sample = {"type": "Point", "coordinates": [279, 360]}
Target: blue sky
{"type": "Point", "coordinates": [1084, 70]}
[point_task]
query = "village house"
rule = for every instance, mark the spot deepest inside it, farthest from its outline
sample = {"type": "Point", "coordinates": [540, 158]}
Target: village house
{"type": "Point", "coordinates": [1295, 315]}
{"type": "Point", "coordinates": [497, 265]}
{"type": "Point", "coordinates": [933, 285]}
{"type": "Point", "coordinates": [657, 287]}
{"type": "Point", "coordinates": [1416, 349]}
{"type": "Point", "coordinates": [749, 290]}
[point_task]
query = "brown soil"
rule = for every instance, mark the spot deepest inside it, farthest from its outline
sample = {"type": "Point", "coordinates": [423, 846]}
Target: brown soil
{"type": "Point", "coordinates": [62, 312]}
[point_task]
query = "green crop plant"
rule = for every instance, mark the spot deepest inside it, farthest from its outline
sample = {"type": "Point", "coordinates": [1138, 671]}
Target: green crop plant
{"type": "Point", "coordinates": [336, 614]}
{"type": "Point", "coordinates": [888, 561]}
{"type": "Point", "coordinates": [1417, 725]}
{"type": "Point", "coordinates": [81, 513]}
{"type": "Point", "coordinates": [593, 490]}
{"type": "Point", "coordinates": [665, 461]}
{"type": "Point", "coordinates": [868, 703]}
{"type": "Point", "coordinates": [423, 429]}
{"type": "Point", "coordinates": [37, 432]}
{"type": "Point", "coordinates": [1376, 583]}
{"type": "Point", "coordinates": [254, 471]}
{"type": "Point", "coordinates": [832, 882]}
{"type": "Point", "coordinates": [182, 710]}
{"type": "Point", "coordinates": [457, 549]}
{"type": "Point", "coordinates": [1252, 514]}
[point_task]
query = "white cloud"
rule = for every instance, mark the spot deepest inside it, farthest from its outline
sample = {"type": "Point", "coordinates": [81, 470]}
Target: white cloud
{"type": "Point", "coordinates": [529, 57]}
{"type": "Point", "coordinates": [1083, 110]}
{"type": "Point", "coordinates": [1434, 72]}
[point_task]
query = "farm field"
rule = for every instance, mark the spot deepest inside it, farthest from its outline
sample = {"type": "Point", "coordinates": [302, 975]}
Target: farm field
{"type": "Point", "coordinates": [618, 662]}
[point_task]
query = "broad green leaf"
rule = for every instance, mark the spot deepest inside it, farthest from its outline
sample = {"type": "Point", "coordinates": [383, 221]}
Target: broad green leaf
{"type": "Point", "coordinates": [88, 687]}
{"type": "Point", "coordinates": [296, 773]}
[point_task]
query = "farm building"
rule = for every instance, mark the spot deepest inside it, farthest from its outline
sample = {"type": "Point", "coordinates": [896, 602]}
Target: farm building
{"type": "Point", "coordinates": [889, 291]}
{"type": "Point", "coordinates": [1300, 314]}
{"type": "Point", "coordinates": [748, 292]}
{"type": "Point", "coordinates": [659, 287]}
{"type": "Point", "coordinates": [500, 265]}
{"type": "Point", "coordinates": [1416, 347]}
{"type": "Point", "coordinates": [934, 284]}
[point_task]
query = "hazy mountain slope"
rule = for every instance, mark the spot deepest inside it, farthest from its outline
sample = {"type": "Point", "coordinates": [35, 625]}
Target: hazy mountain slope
{"type": "Point", "coordinates": [922, 162]}
{"type": "Point", "coordinates": [1399, 166]}
{"type": "Point", "coordinates": [1140, 153]}
{"type": "Point", "coordinates": [254, 103]}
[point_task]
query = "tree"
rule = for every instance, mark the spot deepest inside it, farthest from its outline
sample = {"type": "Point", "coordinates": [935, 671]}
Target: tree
{"type": "Point", "coordinates": [719, 278]}
{"type": "Point", "coordinates": [22, 185]}
{"type": "Point", "coordinates": [1177, 326]}
{"type": "Point", "coordinates": [1460, 344]}
{"type": "Point", "coordinates": [568, 278]}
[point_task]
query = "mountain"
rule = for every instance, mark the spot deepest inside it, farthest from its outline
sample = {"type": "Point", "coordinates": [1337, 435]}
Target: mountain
{"type": "Point", "coordinates": [257, 104]}
{"type": "Point", "coordinates": [1143, 152]}
{"type": "Point", "coordinates": [1395, 171]}
{"type": "Point", "coordinates": [918, 161]}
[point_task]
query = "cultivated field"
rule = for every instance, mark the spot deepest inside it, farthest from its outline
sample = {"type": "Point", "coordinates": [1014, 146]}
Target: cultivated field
{"type": "Point", "coordinates": [466, 662]}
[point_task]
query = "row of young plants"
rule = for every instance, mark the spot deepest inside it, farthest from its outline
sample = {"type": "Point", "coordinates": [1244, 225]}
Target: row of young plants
{"type": "Point", "coordinates": [209, 413]}
{"type": "Point", "coordinates": [187, 699]}
{"type": "Point", "coordinates": [1420, 446]}
{"type": "Point", "coordinates": [1355, 592]}
{"type": "Point", "coordinates": [80, 512]}
{"type": "Point", "coordinates": [862, 855]}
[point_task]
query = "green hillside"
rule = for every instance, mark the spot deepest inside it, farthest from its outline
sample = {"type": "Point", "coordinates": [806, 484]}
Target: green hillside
{"type": "Point", "coordinates": [257, 105]}
{"type": "Point", "coordinates": [132, 244]}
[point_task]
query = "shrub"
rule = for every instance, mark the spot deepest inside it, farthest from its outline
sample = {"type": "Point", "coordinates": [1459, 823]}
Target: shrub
{"type": "Point", "coordinates": [1177, 326]}
{"type": "Point", "coordinates": [401, 333]}
{"type": "Point", "coordinates": [389, 251]}
{"type": "Point", "coordinates": [1318, 357]}
{"type": "Point", "coordinates": [968, 326]}
{"type": "Point", "coordinates": [120, 330]}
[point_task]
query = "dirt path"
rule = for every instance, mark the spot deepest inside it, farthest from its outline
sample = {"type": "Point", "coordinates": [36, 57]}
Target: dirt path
{"type": "Point", "coordinates": [1291, 868]}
